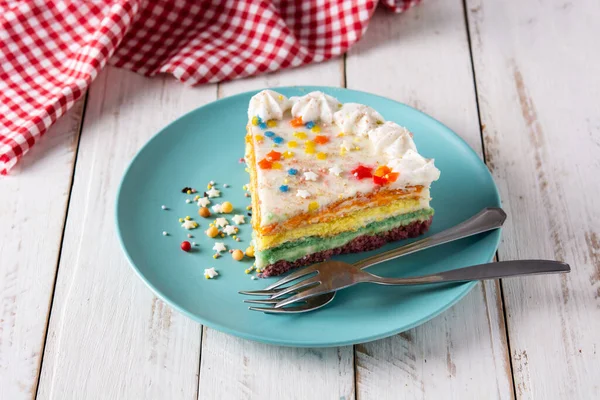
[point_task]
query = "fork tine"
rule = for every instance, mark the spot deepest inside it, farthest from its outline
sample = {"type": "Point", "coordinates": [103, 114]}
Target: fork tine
{"type": "Point", "coordinates": [293, 276]}
{"type": "Point", "coordinates": [307, 283]}
{"type": "Point", "coordinates": [302, 296]}
{"type": "Point", "coordinates": [263, 292]}
{"type": "Point", "coordinates": [261, 301]}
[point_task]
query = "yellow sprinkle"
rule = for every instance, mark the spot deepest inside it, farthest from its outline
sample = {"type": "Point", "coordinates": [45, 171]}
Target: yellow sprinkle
{"type": "Point", "coordinates": [288, 154]}
{"type": "Point", "coordinates": [234, 236]}
{"type": "Point", "coordinates": [342, 151]}
{"type": "Point", "coordinates": [209, 186]}
{"type": "Point", "coordinates": [310, 150]}
{"type": "Point", "coordinates": [271, 123]}
{"type": "Point", "coordinates": [309, 143]}
{"type": "Point", "coordinates": [315, 129]}
{"type": "Point", "coordinates": [258, 138]}
{"type": "Point", "coordinates": [181, 220]}
{"type": "Point", "coordinates": [207, 277]}
{"type": "Point", "coordinates": [379, 122]}
{"type": "Point", "coordinates": [286, 180]}
{"type": "Point", "coordinates": [189, 192]}
{"type": "Point", "coordinates": [215, 256]}
{"type": "Point", "coordinates": [246, 169]}
{"type": "Point", "coordinates": [292, 143]}
{"type": "Point", "coordinates": [340, 196]}
{"type": "Point", "coordinates": [276, 165]}
{"type": "Point", "coordinates": [280, 97]}
{"type": "Point", "coordinates": [247, 271]}
{"type": "Point", "coordinates": [357, 148]}
{"type": "Point", "coordinates": [244, 187]}
{"type": "Point", "coordinates": [313, 205]}
{"type": "Point", "coordinates": [187, 217]}
{"type": "Point", "coordinates": [222, 235]}
{"type": "Point", "coordinates": [340, 105]}
{"type": "Point", "coordinates": [196, 198]}
{"type": "Point", "coordinates": [356, 139]}
{"type": "Point", "coordinates": [321, 156]}
{"type": "Point", "coordinates": [300, 135]}
{"type": "Point", "coordinates": [255, 121]}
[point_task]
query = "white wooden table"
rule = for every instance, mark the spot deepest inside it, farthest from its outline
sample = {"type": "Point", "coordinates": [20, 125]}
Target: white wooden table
{"type": "Point", "coordinates": [519, 81]}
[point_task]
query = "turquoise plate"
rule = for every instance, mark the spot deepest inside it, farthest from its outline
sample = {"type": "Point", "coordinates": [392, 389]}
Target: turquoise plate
{"type": "Point", "coordinates": [206, 145]}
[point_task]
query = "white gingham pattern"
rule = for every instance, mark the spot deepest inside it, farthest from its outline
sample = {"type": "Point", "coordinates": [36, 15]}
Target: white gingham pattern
{"type": "Point", "coordinates": [52, 50]}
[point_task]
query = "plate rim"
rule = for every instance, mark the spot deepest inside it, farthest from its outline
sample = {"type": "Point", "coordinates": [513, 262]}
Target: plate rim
{"type": "Point", "coordinates": [466, 287]}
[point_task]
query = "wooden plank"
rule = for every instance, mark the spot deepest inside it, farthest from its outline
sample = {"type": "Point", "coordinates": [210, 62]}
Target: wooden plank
{"type": "Point", "coordinates": [422, 58]}
{"type": "Point", "coordinates": [33, 203]}
{"type": "Point", "coordinates": [109, 337]}
{"type": "Point", "coordinates": [233, 368]}
{"type": "Point", "coordinates": [537, 67]}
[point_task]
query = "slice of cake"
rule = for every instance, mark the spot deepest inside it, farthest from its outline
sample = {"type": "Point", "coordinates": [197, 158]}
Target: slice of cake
{"type": "Point", "coordinates": [328, 178]}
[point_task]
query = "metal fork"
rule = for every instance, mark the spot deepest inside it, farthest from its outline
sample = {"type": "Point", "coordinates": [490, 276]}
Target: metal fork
{"type": "Point", "coordinates": [486, 220]}
{"type": "Point", "coordinates": [332, 275]}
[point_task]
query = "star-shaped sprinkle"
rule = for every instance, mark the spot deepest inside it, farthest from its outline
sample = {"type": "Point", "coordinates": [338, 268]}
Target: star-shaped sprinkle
{"type": "Point", "coordinates": [189, 224]}
{"type": "Point", "coordinates": [203, 202]}
{"type": "Point", "coordinates": [216, 208]}
{"type": "Point", "coordinates": [230, 230]}
{"type": "Point", "coordinates": [303, 193]}
{"type": "Point", "coordinates": [212, 192]}
{"type": "Point", "coordinates": [335, 170]}
{"type": "Point", "coordinates": [238, 219]}
{"type": "Point", "coordinates": [210, 273]}
{"type": "Point", "coordinates": [219, 247]}
{"type": "Point", "coordinates": [310, 176]}
{"type": "Point", "coordinates": [222, 222]}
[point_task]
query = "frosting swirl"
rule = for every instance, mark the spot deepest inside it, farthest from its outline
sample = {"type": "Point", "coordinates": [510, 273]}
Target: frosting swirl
{"type": "Point", "coordinates": [357, 118]}
{"type": "Point", "coordinates": [267, 105]}
{"type": "Point", "coordinates": [414, 169]}
{"type": "Point", "coordinates": [315, 106]}
{"type": "Point", "coordinates": [391, 139]}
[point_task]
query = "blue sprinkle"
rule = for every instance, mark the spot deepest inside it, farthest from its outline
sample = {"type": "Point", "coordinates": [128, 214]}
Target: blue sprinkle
{"type": "Point", "coordinates": [262, 125]}
{"type": "Point", "coordinates": [283, 188]}
{"type": "Point", "coordinates": [278, 140]}
{"type": "Point", "coordinates": [269, 133]}
{"type": "Point", "coordinates": [309, 124]}
{"type": "Point", "coordinates": [259, 119]}
{"type": "Point", "coordinates": [292, 171]}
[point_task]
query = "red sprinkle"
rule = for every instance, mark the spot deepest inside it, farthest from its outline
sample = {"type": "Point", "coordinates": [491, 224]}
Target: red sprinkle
{"type": "Point", "coordinates": [185, 245]}
{"type": "Point", "coordinates": [362, 172]}
{"type": "Point", "coordinates": [242, 160]}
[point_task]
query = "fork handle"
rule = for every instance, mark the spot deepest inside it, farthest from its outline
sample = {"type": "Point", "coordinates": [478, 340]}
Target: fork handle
{"type": "Point", "coordinates": [502, 269]}
{"type": "Point", "coordinates": [486, 220]}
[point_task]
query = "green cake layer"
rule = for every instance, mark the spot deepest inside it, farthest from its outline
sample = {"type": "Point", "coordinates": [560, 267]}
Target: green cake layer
{"type": "Point", "coordinates": [291, 251]}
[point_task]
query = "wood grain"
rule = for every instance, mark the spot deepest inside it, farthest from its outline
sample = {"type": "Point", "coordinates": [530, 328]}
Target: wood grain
{"type": "Point", "coordinates": [33, 203]}
{"type": "Point", "coordinates": [536, 65]}
{"type": "Point", "coordinates": [422, 58]}
{"type": "Point", "coordinates": [109, 337]}
{"type": "Point", "coordinates": [234, 368]}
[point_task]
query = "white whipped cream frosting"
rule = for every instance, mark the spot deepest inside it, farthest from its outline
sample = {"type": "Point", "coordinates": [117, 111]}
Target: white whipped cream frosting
{"type": "Point", "coordinates": [357, 118]}
{"type": "Point", "coordinates": [267, 105]}
{"type": "Point", "coordinates": [315, 106]}
{"type": "Point", "coordinates": [414, 169]}
{"type": "Point", "coordinates": [367, 140]}
{"type": "Point", "coordinates": [391, 139]}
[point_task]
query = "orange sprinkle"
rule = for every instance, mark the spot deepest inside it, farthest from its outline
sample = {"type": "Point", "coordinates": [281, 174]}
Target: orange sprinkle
{"type": "Point", "coordinates": [321, 139]}
{"type": "Point", "coordinates": [273, 155]}
{"type": "Point", "coordinates": [265, 164]}
{"type": "Point", "coordinates": [297, 122]}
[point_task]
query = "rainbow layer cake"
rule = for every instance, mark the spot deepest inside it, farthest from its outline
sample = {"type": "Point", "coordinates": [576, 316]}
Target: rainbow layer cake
{"type": "Point", "coordinates": [328, 178]}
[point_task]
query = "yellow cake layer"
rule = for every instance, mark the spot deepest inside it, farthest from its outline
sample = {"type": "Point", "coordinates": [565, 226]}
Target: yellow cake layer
{"type": "Point", "coordinates": [349, 222]}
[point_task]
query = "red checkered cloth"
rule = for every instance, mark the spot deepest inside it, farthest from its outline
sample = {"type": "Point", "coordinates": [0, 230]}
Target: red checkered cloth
{"type": "Point", "coordinates": [50, 51]}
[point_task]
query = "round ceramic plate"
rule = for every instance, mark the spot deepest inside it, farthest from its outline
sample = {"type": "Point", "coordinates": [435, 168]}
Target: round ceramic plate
{"type": "Point", "coordinates": [206, 145]}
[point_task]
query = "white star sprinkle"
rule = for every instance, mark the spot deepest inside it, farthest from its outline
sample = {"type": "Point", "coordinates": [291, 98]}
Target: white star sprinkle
{"type": "Point", "coordinates": [219, 247]}
{"type": "Point", "coordinates": [216, 208]}
{"type": "Point", "coordinates": [310, 176]}
{"type": "Point", "coordinates": [213, 193]}
{"type": "Point", "coordinates": [303, 193]}
{"type": "Point", "coordinates": [210, 273]}
{"type": "Point", "coordinates": [238, 219]}
{"type": "Point", "coordinates": [189, 224]}
{"type": "Point", "coordinates": [222, 222]}
{"type": "Point", "coordinates": [335, 170]}
{"type": "Point", "coordinates": [230, 230]}
{"type": "Point", "coordinates": [203, 202]}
